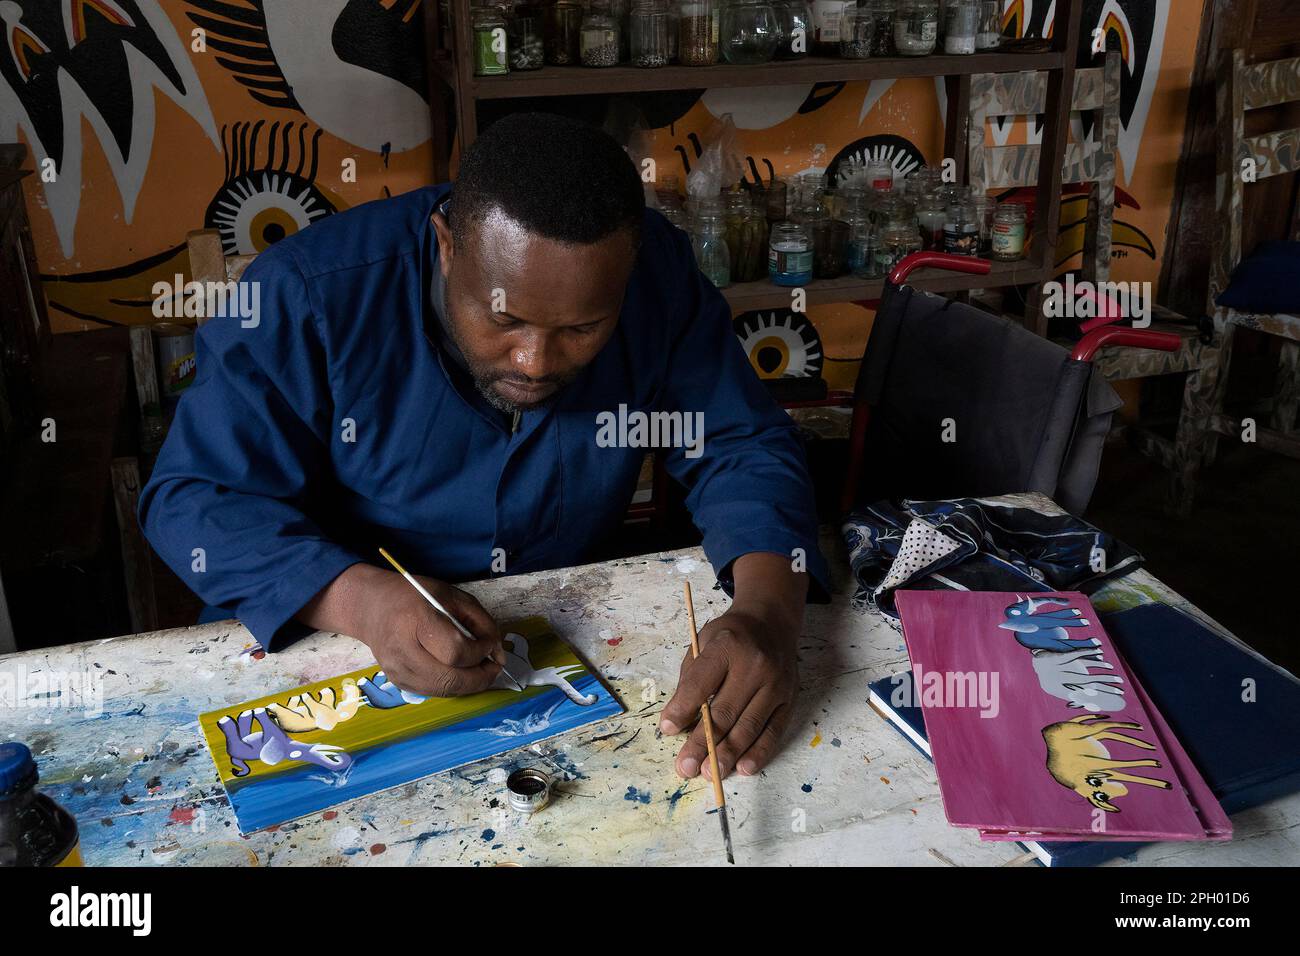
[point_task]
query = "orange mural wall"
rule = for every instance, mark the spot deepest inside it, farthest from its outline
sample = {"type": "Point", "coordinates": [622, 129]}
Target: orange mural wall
{"type": "Point", "coordinates": [142, 129]}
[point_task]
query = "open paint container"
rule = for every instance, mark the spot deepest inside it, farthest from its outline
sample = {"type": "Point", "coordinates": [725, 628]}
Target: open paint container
{"type": "Point", "coordinates": [530, 790]}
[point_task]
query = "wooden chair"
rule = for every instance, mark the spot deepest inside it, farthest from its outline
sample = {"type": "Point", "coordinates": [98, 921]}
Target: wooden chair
{"type": "Point", "coordinates": [1096, 91]}
{"type": "Point", "coordinates": [1240, 89]}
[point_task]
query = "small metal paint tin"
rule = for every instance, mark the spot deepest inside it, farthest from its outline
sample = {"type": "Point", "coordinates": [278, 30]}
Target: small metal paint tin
{"type": "Point", "coordinates": [530, 790]}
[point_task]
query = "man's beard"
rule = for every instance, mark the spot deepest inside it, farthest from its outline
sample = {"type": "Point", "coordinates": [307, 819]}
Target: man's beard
{"type": "Point", "coordinates": [485, 377]}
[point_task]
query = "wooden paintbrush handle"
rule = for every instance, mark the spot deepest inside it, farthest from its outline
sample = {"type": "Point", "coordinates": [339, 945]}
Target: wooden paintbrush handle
{"type": "Point", "coordinates": [718, 797]}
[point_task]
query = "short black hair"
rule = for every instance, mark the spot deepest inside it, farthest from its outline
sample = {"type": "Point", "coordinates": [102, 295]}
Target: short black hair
{"type": "Point", "coordinates": [559, 178]}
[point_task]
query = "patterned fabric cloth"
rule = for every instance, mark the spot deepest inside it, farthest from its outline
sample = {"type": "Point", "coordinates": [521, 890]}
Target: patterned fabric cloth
{"type": "Point", "coordinates": [976, 544]}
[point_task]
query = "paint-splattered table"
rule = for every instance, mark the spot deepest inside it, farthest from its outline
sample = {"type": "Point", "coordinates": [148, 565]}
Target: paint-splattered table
{"type": "Point", "coordinates": [847, 788]}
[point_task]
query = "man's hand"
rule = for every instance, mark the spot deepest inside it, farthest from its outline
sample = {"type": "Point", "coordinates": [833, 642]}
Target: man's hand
{"type": "Point", "coordinates": [748, 665]}
{"type": "Point", "coordinates": [418, 649]}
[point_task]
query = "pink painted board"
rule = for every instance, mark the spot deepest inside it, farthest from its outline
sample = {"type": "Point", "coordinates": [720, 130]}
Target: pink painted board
{"type": "Point", "coordinates": [1041, 660]}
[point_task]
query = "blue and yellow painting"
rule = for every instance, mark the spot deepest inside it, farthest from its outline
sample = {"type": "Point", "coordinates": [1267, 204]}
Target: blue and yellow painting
{"type": "Point", "coordinates": [302, 750]}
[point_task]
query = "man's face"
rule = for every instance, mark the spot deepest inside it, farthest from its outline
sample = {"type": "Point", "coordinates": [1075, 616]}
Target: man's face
{"type": "Point", "coordinates": [529, 313]}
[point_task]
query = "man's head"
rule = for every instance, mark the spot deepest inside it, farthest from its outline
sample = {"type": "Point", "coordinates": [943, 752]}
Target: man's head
{"type": "Point", "coordinates": [537, 248]}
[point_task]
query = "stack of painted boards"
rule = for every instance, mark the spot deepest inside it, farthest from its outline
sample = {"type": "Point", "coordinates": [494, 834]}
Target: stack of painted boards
{"type": "Point", "coordinates": [1038, 729]}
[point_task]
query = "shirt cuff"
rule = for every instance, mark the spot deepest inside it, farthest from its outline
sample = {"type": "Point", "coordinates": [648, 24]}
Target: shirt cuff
{"type": "Point", "coordinates": [273, 624]}
{"type": "Point", "coordinates": [722, 551]}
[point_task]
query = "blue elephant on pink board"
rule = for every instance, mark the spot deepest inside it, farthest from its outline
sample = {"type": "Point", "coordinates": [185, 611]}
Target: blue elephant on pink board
{"type": "Point", "coordinates": [1046, 630]}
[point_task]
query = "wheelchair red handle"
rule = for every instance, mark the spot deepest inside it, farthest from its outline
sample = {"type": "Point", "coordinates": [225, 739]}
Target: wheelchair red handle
{"type": "Point", "coordinates": [1098, 339]}
{"type": "Point", "coordinates": [938, 260]}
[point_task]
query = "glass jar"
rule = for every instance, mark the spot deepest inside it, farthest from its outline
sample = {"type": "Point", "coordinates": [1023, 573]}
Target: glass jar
{"type": "Point", "coordinates": [598, 39]}
{"type": "Point", "coordinates": [859, 240]}
{"type": "Point", "coordinates": [897, 241]}
{"type": "Point", "coordinates": [1009, 232]}
{"type": "Point", "coordinates": [794, 17]}
{"type": "Point", "coordinates": [525, 31]}
{"type": "Point", "coordinates": [489, 41]}
{"type": "Point", "coordinates": [882, 26]}
{"type": "Point", "coordinates": [697, 32]}
{"type": "Point", "coordinates": [961, 233]}
{"type": "Point", "coordinates": [830, 240]}
{"type": "Point", "coordinates": [746, 228]}
{"type": "Point", "coordinates": [984, 207]}
{"type": "Point", "coordinates": [668, 191]}
{"type": "Point", "coordinates": [930, 218]}
{"type": "Point", "coordinates": [563, 28]}
{"type": "Point", "coordinates": [749, 32]}
{"type": "Point", "coordinates": [709, 242]}
{"type": "Point", "coordinates": [989, 34]}
{"type": "Point", "coordinates": [648, 24]}
{"type": "Point", "coordinates": [916, 27]}
{"type": "Point", "coordinates": [620, 10]}
{"type": "Point", "coordinates": [777, 193]}
{"type": "Point", "coordinates": [880, 175]}
{"type": "Point", "coordinates": [857, 32]}
{"type": "Point", "coordinates": [960, 27]}
{"type": "Point", "coordinates": [789, 255]}
{"type": "Point", "coordinates": [828, 20]}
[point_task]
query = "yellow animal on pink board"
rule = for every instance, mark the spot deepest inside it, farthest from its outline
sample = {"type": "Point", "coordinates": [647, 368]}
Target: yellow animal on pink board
{"type": "Point", "coordinates": [1077, 758]}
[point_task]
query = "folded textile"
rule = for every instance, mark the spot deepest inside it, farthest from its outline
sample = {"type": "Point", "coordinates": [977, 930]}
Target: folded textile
{"type": "Point", "coordinates": [976, 544]}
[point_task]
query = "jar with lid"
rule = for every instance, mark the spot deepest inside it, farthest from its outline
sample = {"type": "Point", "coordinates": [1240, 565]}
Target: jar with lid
{"type": "Point", "coordinates": [989, 34]}
{"type": "Point", "coordinates": [916, 27]}
{"type": "Point", "coordinates": [598, 39]}
{"type": "Point", "coordinates": [525, 32]}
{"type": "Point", "coordinates": [1009, 232]}
{"type": "Point", "coordinates": [709, 242]}
{"type": "Point", "coordinates": [897, 241]}
{"type": "Point", "coordinates": [648, 24]}
{"type": "Point", "coordinates": [880, 175]}
{"type": "Point", "coordinates": [489, 41]}
{"type": "Point", "coordinates": [749, 31]}
{"type": "Point", "coordinates": [961, 233]}
{"type": "Point", "coordinates": [850, 197]}
{"type": "Point", "coordinates": [746, 228]}
{"type": "Point", "coordinates": [790, 255]}
{"type": "Point", "coordinates": [930, 219]}
{"type": "Point", "coordinates": [697, 32]}
{"type": "Point", "coordinates": [882, 26]}
{"type": "Point", "coordinates": [563, 28]}
{"type": "Point", "coordinates": [828, 22]}
{"type": "Point", "coordinates": [857, 32]}
{"type": "Point", "coordinates": [960, 27]}
{"type": "Point", "coordinates": [794, 17]}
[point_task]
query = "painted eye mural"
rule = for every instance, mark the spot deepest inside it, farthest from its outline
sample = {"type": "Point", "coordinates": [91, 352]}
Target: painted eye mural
{"type": "Point", "coordinates": [900, 153]}
{"type": "Point", "coordinates": [258, 205]}
{"type": "Point", "coordinates": [780, 343]}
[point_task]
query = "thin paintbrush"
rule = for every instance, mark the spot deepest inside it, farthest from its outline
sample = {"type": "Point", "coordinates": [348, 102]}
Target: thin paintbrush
{"type": "Point", "coordinates": [718, 796]}
{"type": "Point", "coordinates": [426, 595]}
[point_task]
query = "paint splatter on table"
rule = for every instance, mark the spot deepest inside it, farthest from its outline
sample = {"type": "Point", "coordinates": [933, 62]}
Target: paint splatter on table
{"type": "Point", "coordinates": [144, 790]}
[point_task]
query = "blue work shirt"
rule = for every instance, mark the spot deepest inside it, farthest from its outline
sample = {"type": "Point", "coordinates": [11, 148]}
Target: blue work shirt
{"type": "Point", "coordinates": [339, 424]}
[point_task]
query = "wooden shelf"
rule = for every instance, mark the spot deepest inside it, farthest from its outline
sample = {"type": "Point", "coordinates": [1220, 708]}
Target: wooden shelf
{"type": "Point", "coordinates": [744, 296]}
{"type": "Point", "coordinates": [579, 80]}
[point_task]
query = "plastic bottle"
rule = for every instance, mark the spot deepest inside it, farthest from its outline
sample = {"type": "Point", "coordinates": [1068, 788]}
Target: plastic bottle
{"type": "Point", "coordinates": [34, 830]}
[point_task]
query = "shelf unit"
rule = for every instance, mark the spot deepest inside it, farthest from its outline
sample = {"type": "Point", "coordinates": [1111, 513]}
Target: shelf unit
{"type": "Point", "coordinates": [452, 74]}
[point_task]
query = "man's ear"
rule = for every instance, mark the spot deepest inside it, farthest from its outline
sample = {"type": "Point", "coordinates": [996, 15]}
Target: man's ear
{"type": "Point", "coordinates": [446, 248]}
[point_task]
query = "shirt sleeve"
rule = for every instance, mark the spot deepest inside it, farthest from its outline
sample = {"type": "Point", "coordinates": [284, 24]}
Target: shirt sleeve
{"type": "Point", "coordinates": [224, 506]}
{"type": "Point", "coordinates": [749, 489]}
